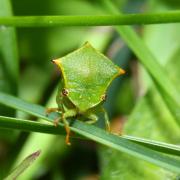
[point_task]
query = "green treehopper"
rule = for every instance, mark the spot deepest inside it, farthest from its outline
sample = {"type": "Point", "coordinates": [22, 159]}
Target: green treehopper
{"type": "Point", "coordinates": [86, 74]}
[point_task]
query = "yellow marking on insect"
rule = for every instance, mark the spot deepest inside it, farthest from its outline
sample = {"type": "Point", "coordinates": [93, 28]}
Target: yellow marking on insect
{"type": "Point", "coordinates": [121, 71]}
{"type": "Point", "coordinates": [55, 61]}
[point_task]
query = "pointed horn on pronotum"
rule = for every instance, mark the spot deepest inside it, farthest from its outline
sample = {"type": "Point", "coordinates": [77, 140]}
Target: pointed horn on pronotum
{"type": "Point", "coordinates": [121, 71]}
{"type": "Point", "coordinates": [55, 61]}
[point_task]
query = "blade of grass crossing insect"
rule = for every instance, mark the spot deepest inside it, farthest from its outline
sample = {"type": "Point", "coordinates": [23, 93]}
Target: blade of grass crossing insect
{"type": "Point", "coordinates": [28, 125]}
{"type": "Point", "coordinates": [98, 135]}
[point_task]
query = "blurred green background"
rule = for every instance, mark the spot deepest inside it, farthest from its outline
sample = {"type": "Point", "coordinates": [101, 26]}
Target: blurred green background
{"type": "Point", "coordinates": [134, 105]}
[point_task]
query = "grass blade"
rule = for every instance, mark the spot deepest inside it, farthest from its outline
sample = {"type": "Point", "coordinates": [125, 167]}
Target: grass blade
{"type": "Point", "coordinates": [23, 166]}
{"type": "Point", "coordinates": [155, 145]}
{"type": "Point", "coordinates": [158, 74]}
{"type": "Point", "coordinates": [108, 20]}
{"type": "Point", "coordinates": [28, 125]}
{"type": "Point", "coordinates": [97, 135]}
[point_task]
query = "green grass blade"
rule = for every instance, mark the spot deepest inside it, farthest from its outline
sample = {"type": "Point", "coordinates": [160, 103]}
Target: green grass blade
{"type": "Point", "coordinates": [129, 19]}
{"type": "Point", "coordinates": [23, 166]}
{"type": "Point", "coordinates": [19, 104]}
{"type": "Point", "coordinates": [30, 126]}
{"type": "Point", "coordinates": [33, 126]}
{"type": "Point", "coordinates": [158, 74]}
{"type": "Point", "coordinates": [98, 135]}
{"type": "Point", "coordinates": [156, 145]}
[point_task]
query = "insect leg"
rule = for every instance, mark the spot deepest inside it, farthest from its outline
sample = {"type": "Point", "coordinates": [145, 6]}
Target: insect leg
{"type": "Point", "coordinates": [68, 113]}
{"type": "Point", "coordinates": [93, 118]}
{"type": "Point", "coordinates": [50, 110]}
{"type": "Point", "coordinates": [67, 128]}
{"type": "Point", "coordinates": [106, 117]}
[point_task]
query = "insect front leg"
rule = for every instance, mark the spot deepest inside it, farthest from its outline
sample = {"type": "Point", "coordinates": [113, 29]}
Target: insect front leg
{"type": "Point", "coordinates": [50, 110]}
{"type": "Point", "coordinates": [68, 113]}
{"type": "Point", "coordinates": [59, 100]}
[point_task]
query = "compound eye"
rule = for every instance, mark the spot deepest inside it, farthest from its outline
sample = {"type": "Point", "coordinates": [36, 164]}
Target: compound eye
{"type": "Point", "coordinates": [65, 92]}
{"type": "Point", "coordinates": [104, 97]}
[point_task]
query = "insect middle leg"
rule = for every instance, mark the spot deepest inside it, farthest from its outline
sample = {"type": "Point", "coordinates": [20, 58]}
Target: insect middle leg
{"type": "Point", "coordinates": [106, 118]}
{"type": "Point", "coordinates": [92, 118]}
{"type": "Point", "coordinates": [66, 114]}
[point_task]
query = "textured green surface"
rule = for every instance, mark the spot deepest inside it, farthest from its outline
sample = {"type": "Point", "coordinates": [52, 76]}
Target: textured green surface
{"type": "Point", "coordinates": [87, 74]}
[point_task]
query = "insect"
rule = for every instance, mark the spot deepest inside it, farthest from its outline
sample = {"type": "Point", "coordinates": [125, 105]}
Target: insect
{"type": "Point", "coordinates": [86, 75]}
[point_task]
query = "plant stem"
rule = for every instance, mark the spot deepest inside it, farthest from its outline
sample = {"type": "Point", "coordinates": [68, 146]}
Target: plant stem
{"type": "Point", "coordinates": [107, 20]}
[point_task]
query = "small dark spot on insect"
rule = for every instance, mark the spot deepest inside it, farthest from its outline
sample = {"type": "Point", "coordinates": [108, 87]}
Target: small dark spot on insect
{"type": "Point", "coordinates": [65, 92]}
{"type": "Point", "coordinates": [104, 97]}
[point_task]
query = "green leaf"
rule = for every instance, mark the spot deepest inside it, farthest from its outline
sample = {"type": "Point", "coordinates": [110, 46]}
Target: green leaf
{"type": "Point", "coordinates": [23, 166]}
{"type": "Point", "coordinates": [97, 135]}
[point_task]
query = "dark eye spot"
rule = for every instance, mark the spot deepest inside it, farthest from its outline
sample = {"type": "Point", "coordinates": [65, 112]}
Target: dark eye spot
{"type": "Point", "coordinates": [65, 92]}
{"type": "Point", "coordinates": [104, 97]}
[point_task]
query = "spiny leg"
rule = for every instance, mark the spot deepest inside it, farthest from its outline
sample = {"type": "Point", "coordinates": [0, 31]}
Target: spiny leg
{"type": "Point", "coordinates": [67, 128]}
{"type": "Point", "coordinates": [50, 110]}
{"type": "Point", "coordinates": [93, 118]}
{"type": "Point", "coordinates": [68, 113]}
{"type": "Point", "coordinates": [56, 122]}
{"type": "Point", "coordinates": [106, 118]}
